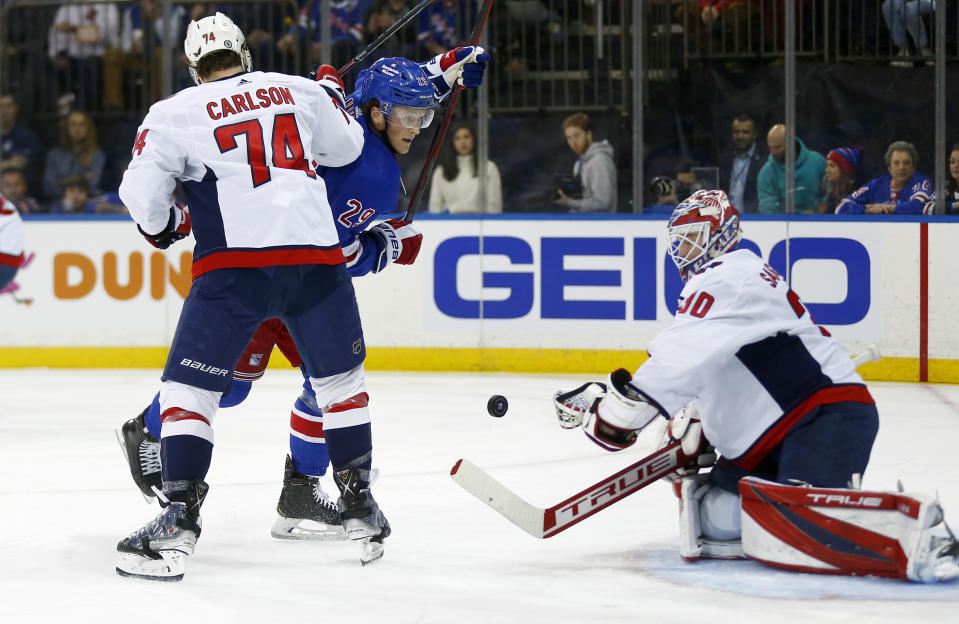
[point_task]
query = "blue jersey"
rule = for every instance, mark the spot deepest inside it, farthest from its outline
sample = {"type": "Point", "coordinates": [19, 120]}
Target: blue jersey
{"type": "Point", "coordinates": [358, 193]}
{"type": "Point", "coordinates": [913, 198]}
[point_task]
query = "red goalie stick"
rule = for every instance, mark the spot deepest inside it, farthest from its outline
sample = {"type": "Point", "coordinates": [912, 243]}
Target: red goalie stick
{"type": "Point", "coordinates": [546, 522]}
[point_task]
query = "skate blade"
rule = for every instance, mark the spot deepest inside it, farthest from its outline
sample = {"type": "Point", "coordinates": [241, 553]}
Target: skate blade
{"type": "Point", "coordinates": [371, 552]}
{"type": "Point", "coordinates": [168, 569]}
{"type": "Point", "coordinates": [126, 461]}
{"type": "Point", "coordinates": [306, 530]}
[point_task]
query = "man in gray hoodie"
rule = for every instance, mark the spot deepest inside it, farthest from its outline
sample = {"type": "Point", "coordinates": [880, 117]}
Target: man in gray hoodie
{"type": "Point", "coordinates": [595, 168]}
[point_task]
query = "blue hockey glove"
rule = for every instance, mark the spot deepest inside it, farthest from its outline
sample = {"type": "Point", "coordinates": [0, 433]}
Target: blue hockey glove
{"type": "Point", "coordinates": [465, 66]}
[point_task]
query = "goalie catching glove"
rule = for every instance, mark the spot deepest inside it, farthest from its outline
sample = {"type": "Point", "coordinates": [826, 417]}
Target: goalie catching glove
{"type": "Point", "coordinates": [465, 66]}
{"type": "Point", "coordinates": [176, 228]}
{"type": "Point", "coordinates": [611, 414]}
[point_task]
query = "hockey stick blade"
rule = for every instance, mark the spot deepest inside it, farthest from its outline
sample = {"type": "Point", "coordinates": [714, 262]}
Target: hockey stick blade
{"type": "Point", "coordinates": [546, 522]}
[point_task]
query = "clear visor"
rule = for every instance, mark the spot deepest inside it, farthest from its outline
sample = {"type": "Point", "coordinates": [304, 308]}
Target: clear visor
{"type": "Point", "coordinates": [412, 118]}
{"type": "Point", "coordinates": [687, 243]}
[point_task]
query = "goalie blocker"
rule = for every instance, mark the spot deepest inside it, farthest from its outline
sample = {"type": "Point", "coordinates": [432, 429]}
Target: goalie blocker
{"type": "Point", "coordinates": [843, 531]}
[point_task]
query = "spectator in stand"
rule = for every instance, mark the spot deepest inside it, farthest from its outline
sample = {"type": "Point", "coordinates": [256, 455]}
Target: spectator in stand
{"type": "Point", "coordinates": [141, 45]}
{"type": "Point", "coordinates": [664, 190]}
{"type": "Point", "coordinates": [346, 30]}
{"type": "Point", "coordinates": [76, 197]}
{"type": "Point", "coordinates": [382, 15]}
{"type": "Point", "coordinates": [906, 16]}
{"type": "Point", "coordinates": [80, 155]}
{"type": "Point", "coordinates": [952, 182]}
{"type": "Point", "coordinates": [771, 183]}
{"type": "Point", "coordinates": [13, 185]}
{"type": "Point", "coordinates": [455, 187]}
{"type": "Point", "coordinates": [842, 176]}
{"type": "Point", "coordinates": [21, 147]}
{"type": "Point", "coordinates": [901, 191]}
{"type": "Point", "coordinates": [739, 167]}
{"type": "Point", "coordinates": [717, 25]}
{"type": "Point", "coordinates": [265, 24]}
{"type": "Point", "coordinates": [437, 28]}
{"type": "Point", "coordinates": [595, 168]}
{"type": "Point", "coordinates": [78, 40]}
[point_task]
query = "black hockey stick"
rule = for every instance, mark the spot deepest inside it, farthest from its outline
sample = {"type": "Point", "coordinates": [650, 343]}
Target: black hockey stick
{"type": "Point", "coordinates": [403, 21]}
{"type": "Point", "coordinates": [546, 522]}
{"type": "Point", "coordinates": [454, 97]}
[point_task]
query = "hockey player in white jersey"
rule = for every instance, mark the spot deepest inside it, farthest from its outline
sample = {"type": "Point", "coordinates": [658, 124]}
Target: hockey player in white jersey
{"type": "Point", "coordinates": [745, 367]}
{"type": "Point", "coordinates": [11, 243]}
{"type": "Point", "coordinates": [244, 146]}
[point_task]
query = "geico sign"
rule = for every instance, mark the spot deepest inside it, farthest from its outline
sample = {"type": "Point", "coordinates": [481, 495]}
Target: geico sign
{"type": "Point", "coordinates": [75, 275]}
{"type": "Point", "coordinates": [641, 262]}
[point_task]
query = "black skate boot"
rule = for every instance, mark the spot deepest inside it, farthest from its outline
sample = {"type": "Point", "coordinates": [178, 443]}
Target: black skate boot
{"type": "Point", "coordinates": [142, 452]}
{"type": "Point", "coordinates": [361, 516]}
{"type": "Point", "coordinates": [306, 511]}
{"type": "Point", "coordinates": [158, 550]}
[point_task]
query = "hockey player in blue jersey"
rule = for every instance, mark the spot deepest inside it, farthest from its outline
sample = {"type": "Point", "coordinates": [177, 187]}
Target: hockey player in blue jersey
{"type": "Point", "coordinates": [901, 191]}
{"type": "Point", "coordinates": [393, 101]}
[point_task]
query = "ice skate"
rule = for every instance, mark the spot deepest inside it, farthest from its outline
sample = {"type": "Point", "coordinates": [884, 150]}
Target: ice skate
{"type": "Point", "coordinates": [158, 550]}
{"type": "Point", "coordinates": [306, 511]}
{"type": "Point", "coordinates": [142, 452]}
{"type": "Point", "coordinates": [361, 516]}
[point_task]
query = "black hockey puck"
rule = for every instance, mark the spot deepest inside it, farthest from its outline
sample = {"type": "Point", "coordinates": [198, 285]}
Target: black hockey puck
{"type": "Point", "coordinates": [497, 405]}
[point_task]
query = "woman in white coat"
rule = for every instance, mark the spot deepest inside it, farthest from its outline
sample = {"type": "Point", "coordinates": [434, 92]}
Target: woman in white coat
{"type": "Point", "coordinates": [455, 186]}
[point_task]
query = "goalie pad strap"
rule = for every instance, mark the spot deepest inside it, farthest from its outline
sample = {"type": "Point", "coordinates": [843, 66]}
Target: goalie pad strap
{"type": "Point", "coordinates": [837, 531]}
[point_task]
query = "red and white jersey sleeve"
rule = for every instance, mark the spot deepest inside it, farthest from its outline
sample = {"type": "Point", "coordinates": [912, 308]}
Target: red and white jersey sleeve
{"type": "Point", "coordinates": [743, 344]}
{"type": "Point", "coordinates": [245, 149]}
{"type": "Point", "coordinates": [11, 233]}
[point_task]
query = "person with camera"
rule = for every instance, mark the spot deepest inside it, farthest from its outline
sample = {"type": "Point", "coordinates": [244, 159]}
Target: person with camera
{"type": "Point", "coordinates": [595, 169]}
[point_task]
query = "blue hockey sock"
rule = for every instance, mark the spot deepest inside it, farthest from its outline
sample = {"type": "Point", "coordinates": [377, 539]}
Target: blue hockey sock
{"type": "Point", "coordinates": [152, 418]}
{"type": "Point", "coordinates": [185, 457]}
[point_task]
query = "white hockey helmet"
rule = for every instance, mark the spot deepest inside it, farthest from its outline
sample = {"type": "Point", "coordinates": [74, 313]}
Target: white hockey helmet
{"type": "Point", "coordinates": [217, 32]}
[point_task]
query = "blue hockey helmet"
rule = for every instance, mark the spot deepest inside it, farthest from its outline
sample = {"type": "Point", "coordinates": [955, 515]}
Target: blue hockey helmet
{"type": "Point", "coordinates": [397, 81]}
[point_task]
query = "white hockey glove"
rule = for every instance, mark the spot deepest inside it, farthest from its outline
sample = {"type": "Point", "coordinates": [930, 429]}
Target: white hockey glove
{"type": "Point", "coordinates": [686, 428]}
{"type": "Point", "coordinates": [401, 243]}
{"type": "Point", "coordinates": [465, 66]}
{"type": "Point", "coordinates": [617, 411]}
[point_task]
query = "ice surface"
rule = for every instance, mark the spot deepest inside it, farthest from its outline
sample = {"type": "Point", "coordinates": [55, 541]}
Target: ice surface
{"type": "Point", "coordinates": [66, 499]}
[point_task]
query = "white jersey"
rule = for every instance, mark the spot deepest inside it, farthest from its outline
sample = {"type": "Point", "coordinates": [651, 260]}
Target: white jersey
{"type": "Point", "coordinates": [245, 149]}
{"type": "Point", "coordinates": [11, 234]}
{"type": "Point", "coordinates": [744, 346]}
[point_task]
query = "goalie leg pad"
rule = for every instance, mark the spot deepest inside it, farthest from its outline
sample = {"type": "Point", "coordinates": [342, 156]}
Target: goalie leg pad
{"type": "Point", "coordinates": [708, 521]}
{"type": "Point", "coordinates": [843, 531]}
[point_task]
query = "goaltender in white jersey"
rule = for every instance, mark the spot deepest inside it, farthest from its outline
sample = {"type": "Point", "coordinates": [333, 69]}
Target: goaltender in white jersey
{"type": "Point", "coordinates": [743, 343]}
{"type": "Point", "coordinates": [746, 368]}
{"type": "Point", "coordinates": [235, 144]}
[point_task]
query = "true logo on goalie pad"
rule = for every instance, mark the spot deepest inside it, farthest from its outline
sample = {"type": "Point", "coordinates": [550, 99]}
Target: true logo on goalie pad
{"type": "Point", "coordinates": [788, 527]}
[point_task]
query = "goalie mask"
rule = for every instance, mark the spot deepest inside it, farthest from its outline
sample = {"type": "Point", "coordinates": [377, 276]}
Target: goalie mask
{"type": "Point", "coordinates": [212, 34]}
{"type": "Point", "coordinates": [703, 227]}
